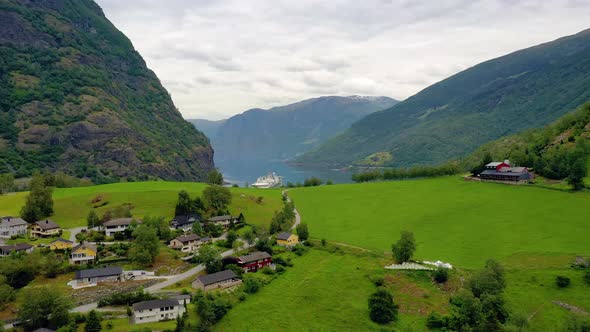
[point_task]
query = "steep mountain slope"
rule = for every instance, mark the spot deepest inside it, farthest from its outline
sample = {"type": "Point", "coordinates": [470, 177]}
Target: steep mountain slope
{"type": "Point", "coordinates": [208, 127]}
{"type": "Point", "coordinates": [283, 132]}
{"type": "Point", "coordinates": [76, 96]}
{"type": "Point", "coordinates": [526, 89]}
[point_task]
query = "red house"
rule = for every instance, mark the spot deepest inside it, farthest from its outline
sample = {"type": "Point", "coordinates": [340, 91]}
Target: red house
{"type": "Point", "coordinates": [497, 165]}
{"type": "Point", "coordinates": [254, 261]}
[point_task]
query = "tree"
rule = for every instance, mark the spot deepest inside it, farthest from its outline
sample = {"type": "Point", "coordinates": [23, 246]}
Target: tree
{"type": "Point", "coordinates": [302, 231]}
{"type": "Point", "coordinates": [251, 283]}
{"type": "Point", "coordinates": [197, 228]}
{"type": "Point", "coordinates": [211, 257]}
{"type": "Point", "coordinates": [490, 280]}
{"type": "Point", "coordinates": [39, 203]}
{"type": "Point", "coordinates": [6, 183]}
{"type": "Point", "coordinates": [404, 248]}
{"type": "Point", "coordinates": [562, 281]}
{"type": "Point", "coordinates": [160, 225]}
{"type": "Point", "coordinates": [215, 177]}
{"type": "Point", "coordinates": [440, 275]}
{"type": "Point", "coordinates": [578, 172]}
{"type": "Point", "coordinates": [44, 307]}
{"type": "Point", "coordinates": [217, 197]}
{"type": "Point", "coordinates": [230, 238]}
{"type": "Point", "coordinates": [249, 236]}
{"type": "Point", "coordinates": [184, 204]}
{"type": "Point", "coordinates": [264, 244]}
{"type": "Point", "coordinates": [382, 310]}
{"type": "Point", "coordinates": [92, 219]}
{"type": "Point", "coordinates": [146, 246]}
{"type": "Point", "coordinates": [93, 322]}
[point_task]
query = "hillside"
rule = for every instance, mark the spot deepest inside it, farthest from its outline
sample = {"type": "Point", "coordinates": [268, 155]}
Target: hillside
{"type": "Point", "coordinates": [208, 127]}
{"type": "Point", "coordinates": [283, 132]}
{"type": "Point", "coordinates": [526, 89]}
{"type": "Point", "coordinates": [75, 96]}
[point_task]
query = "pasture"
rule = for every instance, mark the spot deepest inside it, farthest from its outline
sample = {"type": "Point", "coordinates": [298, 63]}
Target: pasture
{"type": "Point", "coordinates": [156, 198]}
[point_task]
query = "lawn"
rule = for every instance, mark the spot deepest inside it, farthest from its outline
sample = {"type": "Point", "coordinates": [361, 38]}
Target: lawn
{"type": "Point", "coordinates": [453, 220]}
{"type": "Point", "coordinates": [148, 198]}
{"type": "Point", "coordinates": [327, 291]}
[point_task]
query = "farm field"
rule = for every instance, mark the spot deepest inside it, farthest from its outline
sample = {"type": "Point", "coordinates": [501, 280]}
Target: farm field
{"type": "Point", "coordinates": [148, 198]}
{"type": "Point", "coordinates": [453, 220]}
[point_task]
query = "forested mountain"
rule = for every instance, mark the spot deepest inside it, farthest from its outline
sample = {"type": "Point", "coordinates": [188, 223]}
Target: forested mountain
{"type": "Point", "coordinates": [526, 89]}
{"type": "Point", "coordinates": [75, 96]}
{"type": "Point", "coordinates": [283, 132]}
{"type": "Point", "coordinates": [208, 127]}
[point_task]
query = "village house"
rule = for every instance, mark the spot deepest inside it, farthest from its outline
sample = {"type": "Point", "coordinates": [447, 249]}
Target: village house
{"type": "Point", "coordinates": [156, 310]}
{"type": "Point", "coordinates": [183, 299]}
{"type": "Point", "coordinates": [84, 253]}
{"type": "Point", "coordinates": [219, 280]}
{"type": "Point", "coordinates": [44, 228]}
{"type": "Point", "coordinates": [61, 244]}
{"type": "Point", "coordinates": [254, 261]}
{"type": "Point", "coordinates": [185, 222]}
{"type": "Point", "coordinates": [11, 226]}
{"type": "Point", "coordinates": [118, 225]}
{"type": "Point", "coordinates": [93, 277]}
{"type": "Point", "coordinates": [18, 248]}
{"type": "Point", "coordinates": [224, 221]}
{"type": "Point", "coordinates": [188, 243]}
{"type": "Point", "coordinates": [287, 239]}
{"type": "Point", "coordinates": [503, 172]}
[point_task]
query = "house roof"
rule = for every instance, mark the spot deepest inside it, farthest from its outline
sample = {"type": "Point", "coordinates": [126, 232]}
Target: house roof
{"type": "Point", "coordinates": [16, 247]}
{"type": "Point", "coordinates": [284, 236]}
{"type": "Point", "coordinates": [181, 297]}
{"type": "Point", "coordinates": [12, 221]}
{"type": "Point", "coordinates": [188, 238]}
{"type": "Point", "coordinates": [47, 224]}
{"type": "Point", "coordinates": [221, 218]}
{"type": "Point", "coordinates": [255, 256]}
{"type": "Point", "coordinates": [103, 272]}
{"type": "Point", "coordinates": [182, 220]}
{"type": "Point", "coordinates": [154, 304]}
{"type": "Point", "coordinates": [59, 239]}
{"type": "Point", "coordinates": [84, 245]}
{"type": "Point", "coordinates": [120, 222]}
{"type": "Point", "coordinates": [217, 277]}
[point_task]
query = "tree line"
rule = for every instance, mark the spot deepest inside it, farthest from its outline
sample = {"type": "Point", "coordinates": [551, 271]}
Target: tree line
{"type": "Point", "coordinates": [407, 173]}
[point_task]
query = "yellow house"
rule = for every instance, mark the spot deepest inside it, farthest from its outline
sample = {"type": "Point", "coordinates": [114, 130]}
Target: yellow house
{"type": "Point", "coordinates": [287, 239]}
{"type": "Point", "coordinates": [61, 244]}
{"type": "Point", "coordinates": [84, 253]}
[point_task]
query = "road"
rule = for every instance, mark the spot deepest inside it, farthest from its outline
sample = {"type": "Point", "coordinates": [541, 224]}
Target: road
{"type": "Point", "coordinates": [170, 280]}
{"type": "Point", "coordinates": [297, 216]}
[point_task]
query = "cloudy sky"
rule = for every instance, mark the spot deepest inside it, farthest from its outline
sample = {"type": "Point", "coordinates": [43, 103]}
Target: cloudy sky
{"type": "Point", "coordinates": [218, 58]}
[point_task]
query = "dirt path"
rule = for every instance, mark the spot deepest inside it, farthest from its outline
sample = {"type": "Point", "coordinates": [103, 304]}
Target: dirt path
{"type": "Point", "coordinates": [297, 215]}
{"type": "Point", "coordinates": [571, 308]}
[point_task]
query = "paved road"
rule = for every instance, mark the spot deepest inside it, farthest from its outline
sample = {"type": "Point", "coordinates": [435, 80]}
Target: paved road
{"type": "Point", "coordinates": [74, 231]}
{"type": "Point", "coordinates": [170, 280]}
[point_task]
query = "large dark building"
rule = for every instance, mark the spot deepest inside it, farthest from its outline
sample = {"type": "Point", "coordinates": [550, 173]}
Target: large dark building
{"type": "Point", "coordinates": [503, 172]}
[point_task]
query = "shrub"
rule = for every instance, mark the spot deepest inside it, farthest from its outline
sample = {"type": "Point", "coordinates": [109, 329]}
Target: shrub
{"type": "Point", "coordinates": [562, 281]}
{"type": "Point", "coordinates": [435, 321]}
{"type": "Point", "coordinates": [268, 271]}
{"type": "Point", "coordinates": [404, 248]}
{"type": "Point", "coordinates": [280, 269]}
{"type": "Point", "coordinates": [440, 275]}
{"type": "Point", "coordinates": [251, 284]}
{"type": "Point", "coordinates": [382, 310]}
{"type": "Point", "coordinates": [587, 277]}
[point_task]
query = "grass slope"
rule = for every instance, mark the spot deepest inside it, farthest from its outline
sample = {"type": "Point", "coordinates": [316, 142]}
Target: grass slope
{"type": "Point", "coordinates": [453, 220]}
{"type": "Point", "coordinates": [148, 198]}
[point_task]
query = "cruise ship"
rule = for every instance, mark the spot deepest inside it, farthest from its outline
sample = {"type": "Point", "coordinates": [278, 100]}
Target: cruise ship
{"type": "Point", "coordinates": [271, 180]}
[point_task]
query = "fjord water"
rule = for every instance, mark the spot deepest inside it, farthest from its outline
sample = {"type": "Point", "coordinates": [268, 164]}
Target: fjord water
{"type": "Point", "coordinates": [243, 172]}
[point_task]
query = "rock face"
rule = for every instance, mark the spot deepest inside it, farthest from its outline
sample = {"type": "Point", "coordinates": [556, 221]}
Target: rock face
{"type": "Point", "coordinates": [76, 97]}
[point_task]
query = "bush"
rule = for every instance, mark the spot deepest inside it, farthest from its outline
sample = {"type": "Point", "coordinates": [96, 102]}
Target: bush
{"type": "Point", "coordinates": [382, 310]}
{"type": "Point", "coordinates": [126, 298]}
{"type": "Point", "coordinates": [268, 271]}
{"type": "Point", "coordinates": [280, 269]}
{"type": "Point", "coordinates": [587, 277]}
{"type": "Point", "coordinates": [251, 284]}
{"type": "Point", "coordinates": [440, 275]}
{"type": "Point", "coordinates": [435, 321]}
{"type": "Point", "coordinates": [562, 281]}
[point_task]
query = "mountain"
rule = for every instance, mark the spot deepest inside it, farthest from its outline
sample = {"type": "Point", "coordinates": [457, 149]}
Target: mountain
{"type": "Point", "coordinates": [208, 127]}
{"type": "Point", "coordinates": [283, 132]}
{"type": "Point", "coordinates": [75, 96]}
{"type": "Point", "coordinates": [526, 89]}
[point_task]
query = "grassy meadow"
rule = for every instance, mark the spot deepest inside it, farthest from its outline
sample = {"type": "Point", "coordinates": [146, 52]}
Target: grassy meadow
{"type": "Point", "coordinates": [455, 221]}
{"type": "Point", "coordinates": [148, 198]}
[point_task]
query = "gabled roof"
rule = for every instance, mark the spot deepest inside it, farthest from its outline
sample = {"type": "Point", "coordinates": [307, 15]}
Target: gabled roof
{"type": "Point", "coordinates": [59, 239]}
{"type": "Point", "coordinates": [154, 304]}
{"type": "Point", "coordinates": [16, 247]}
{"type": "Point", "coordinates": [187, 238]}
{"type": "Point", "coordinates": [47, 224]}
{"type": "Point", "coordinates": [103, 272]}
{"type": "Point", "coordinates": [182, 220]}
{"type": "Point", "coordinates": [12, 221]}
{"type": "Point", "coordinates": [84, 245]}
{"type": "Point", "coordinates": [255, 256]}
{"type": "Point", "coordinates": [217, 277]}
{"type": "Point", "coordinates": [221, 218]}
{"type": "Point", "coordinates": [284, 236]}
{"type": "Point", "coordinates": [120, 222]}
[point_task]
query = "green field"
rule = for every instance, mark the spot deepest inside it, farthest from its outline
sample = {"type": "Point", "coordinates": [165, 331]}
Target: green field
{"type": "Point", "coordinates": [148, 198]}
{"type": "Point", "coordinates": [456, 221]}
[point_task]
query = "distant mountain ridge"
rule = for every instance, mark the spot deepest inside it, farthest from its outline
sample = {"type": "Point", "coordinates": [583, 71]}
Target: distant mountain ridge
{"type": "Point", "coordinates": [526, 89]}
{"type": "Point", "coordinates": [283, 132]}
{"type": "Point", "coordinates": [208, 127]}
{"type": "Point", "coordinates": [76, 97]}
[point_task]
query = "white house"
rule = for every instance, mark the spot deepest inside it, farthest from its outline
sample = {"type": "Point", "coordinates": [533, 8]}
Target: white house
{"type": "Point", "coordinates": [118, 225]}
{"type": "Point", "coordinates": [157, 310]}
{"type": "Point", "coordinates": [11, 226]}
